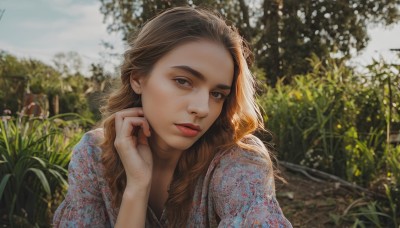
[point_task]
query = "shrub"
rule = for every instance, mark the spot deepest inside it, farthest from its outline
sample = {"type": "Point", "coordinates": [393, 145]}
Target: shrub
{"type": "Point", "coordinates": [34, 155]}
{"type": "Point", "coordinates": [337, 121]}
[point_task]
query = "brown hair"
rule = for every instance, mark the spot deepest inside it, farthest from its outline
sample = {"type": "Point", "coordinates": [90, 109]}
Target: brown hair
{"type": "Point", "coordinates": [239, 117]}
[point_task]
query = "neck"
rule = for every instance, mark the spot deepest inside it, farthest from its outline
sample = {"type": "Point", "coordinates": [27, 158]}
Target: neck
{"type": "Point", "coordinates": [164, 159]}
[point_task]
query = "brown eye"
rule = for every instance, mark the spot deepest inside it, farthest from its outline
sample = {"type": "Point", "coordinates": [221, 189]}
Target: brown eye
{"type": "Point", "coordinates": [218, 95]}
{"type": "Point", "coordinates": [182, 82]}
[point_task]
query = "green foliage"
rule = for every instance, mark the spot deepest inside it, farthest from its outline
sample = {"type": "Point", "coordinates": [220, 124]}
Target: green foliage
{"type": "Point", "coordinates": [13, 81]}
{"type": "Point", "coordinates": [321, 121]}
{"type": "Point", "coordinates": [18, 76]}
{"type": "Point", "coordinates": [307, 120]}
{"type": "Point", "coordinates": [363, 213]}
{"type": "Point", "coordinates": [283, 33]}
{"type": "Point", "coordinates": [366, 214]}
{"type": "Point", "coordinates": [334, 120]}
{"type": "Point", "coordinates": [34, 155]}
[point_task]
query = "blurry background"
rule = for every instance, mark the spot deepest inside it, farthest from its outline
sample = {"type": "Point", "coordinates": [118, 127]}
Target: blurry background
{"type": "Point", "coordinates": [328, 82]}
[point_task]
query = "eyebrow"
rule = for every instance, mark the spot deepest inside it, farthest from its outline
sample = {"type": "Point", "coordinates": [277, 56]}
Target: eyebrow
{"type": "Point", "coordinates": [200, 76]}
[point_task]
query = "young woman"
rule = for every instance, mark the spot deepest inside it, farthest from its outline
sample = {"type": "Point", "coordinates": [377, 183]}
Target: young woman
{"type": "Point", "coordinates": [176, 147]}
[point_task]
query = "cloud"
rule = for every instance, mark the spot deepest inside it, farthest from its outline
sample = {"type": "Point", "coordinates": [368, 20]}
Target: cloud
{"type": "Point", "coordinates": [42, 29]}
{"type": "Point", "coordinates": [86, 25]}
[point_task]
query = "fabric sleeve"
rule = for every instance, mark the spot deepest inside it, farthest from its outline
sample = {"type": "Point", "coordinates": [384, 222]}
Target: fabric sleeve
{"type": "Point", "coordinates": [83, 205]}
{"type": "Point", "coordinates": [243, 192]}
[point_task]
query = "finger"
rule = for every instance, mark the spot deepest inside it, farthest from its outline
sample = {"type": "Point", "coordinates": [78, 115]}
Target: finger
{"type": "Point", "coordinates": [125, 140]}
{"type": "Point", "coordinates": [142, 139]}
{"type": "Point", "coordinates": [136, 111]}
{"type": "Point", "coordinates": [145, 126]}
{"type": "Point", "coordinates": [119, 116]}
{"type": "Point", "coordinates": [130, 123]}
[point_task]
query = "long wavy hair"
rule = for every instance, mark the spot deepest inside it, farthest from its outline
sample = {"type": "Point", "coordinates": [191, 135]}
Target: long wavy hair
{"type": "Point", "coordinates": [239, 117]}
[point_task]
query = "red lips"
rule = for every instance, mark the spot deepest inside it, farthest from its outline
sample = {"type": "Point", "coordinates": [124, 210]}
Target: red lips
{"type": "Point", "coordinates": [189, 130]}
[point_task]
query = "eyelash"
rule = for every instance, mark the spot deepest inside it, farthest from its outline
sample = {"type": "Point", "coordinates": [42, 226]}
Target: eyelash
{"type": "Point", "coordinates": [222, 96]}
{"type": "Point", "coordinates": [181, 82]}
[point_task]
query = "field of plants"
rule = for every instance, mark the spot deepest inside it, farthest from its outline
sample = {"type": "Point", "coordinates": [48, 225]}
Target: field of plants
{"type": "Point", "coordinates": [343, 123]}
{"type": "Point", "coordinates": [332, 119]}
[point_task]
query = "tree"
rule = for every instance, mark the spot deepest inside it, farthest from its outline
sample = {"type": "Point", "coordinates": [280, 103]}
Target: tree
{"type": "Point", "coordinates": [68, 63]}
{"type": "Point", "coordinates": [283, 33]}
{"type": "Point", "coordinates": [18, 76]}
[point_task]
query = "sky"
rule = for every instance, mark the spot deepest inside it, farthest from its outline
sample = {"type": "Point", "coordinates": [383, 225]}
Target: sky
{"type": "Point", "coordinates": [41, 28]}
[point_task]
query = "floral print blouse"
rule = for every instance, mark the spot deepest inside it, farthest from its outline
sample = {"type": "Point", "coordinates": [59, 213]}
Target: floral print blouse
{"type": "Point", "coordinates": [238, 190]}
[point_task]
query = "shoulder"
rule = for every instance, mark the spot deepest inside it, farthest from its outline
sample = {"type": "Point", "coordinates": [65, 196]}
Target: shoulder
{"type": "Point", "coordinates": [85, 204]}
{"type": "Point", "coordinates": [242, 188]}
{"type": "Point", "coordinates": [93, 137]}
{"type": "Point", "coordinates": [243, 167]}
{"type": "Point", "coordinates": [85, 167]}
{"type": "Point", "coordinates": [88, 148]}
{"type": "Point", "coordinates": [252, 156]}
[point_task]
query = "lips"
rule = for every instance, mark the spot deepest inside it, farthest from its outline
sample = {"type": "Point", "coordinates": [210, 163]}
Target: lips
{"type": "Point", "coordinates": [188, 130]}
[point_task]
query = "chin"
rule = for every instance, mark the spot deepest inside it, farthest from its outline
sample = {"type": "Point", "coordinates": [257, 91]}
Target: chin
{"type": "Point", "coordinates": [183, 144]}
{"type": "Point", "coordinates": [175, 142]}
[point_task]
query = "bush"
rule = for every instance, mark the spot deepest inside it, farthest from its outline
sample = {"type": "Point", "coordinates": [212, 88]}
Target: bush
{"type": "Point", "coordinates": [34, 155]}
{"type": "Point", "coordinates": [334, 120]}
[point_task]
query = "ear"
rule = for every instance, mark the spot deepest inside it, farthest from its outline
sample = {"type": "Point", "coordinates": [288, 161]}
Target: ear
{"type": "Point", "coordinates": [136, 84]}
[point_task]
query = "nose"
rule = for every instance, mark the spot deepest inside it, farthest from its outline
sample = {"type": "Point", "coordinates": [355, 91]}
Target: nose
{"type": "Point", "coordinates": [199, 104]}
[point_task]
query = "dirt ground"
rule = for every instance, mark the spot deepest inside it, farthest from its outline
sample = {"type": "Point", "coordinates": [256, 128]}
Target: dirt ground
{"type": "Point", "coordinates": [307, 203]}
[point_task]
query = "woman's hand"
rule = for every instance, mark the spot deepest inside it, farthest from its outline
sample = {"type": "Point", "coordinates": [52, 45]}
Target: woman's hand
{"type": "Point", "coordinates": [132, 130]}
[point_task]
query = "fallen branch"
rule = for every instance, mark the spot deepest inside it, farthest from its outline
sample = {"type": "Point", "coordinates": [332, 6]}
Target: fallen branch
{"type": "Point", "coordinates": [306, 171]}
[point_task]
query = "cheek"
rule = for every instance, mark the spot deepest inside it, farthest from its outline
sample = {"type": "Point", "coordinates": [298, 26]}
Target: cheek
{"type": "Point", "coordinates": [153, 92]}
{"type": "Point", "coordinates": [215, 112]}
{"type": "Point", "coordinates": [154, 103]}
{"type": "Point", "coordinates": [159, 103]}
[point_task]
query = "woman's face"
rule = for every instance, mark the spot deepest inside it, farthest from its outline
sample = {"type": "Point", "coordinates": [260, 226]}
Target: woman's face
{"type": "Point", "coordinates": [184, 93]}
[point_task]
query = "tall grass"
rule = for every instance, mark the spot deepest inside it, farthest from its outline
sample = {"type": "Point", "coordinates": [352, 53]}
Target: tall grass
{"type": "Point", "coordinates": [337, 121]}
{"type": "Point", "coordinates": [34, 155]}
